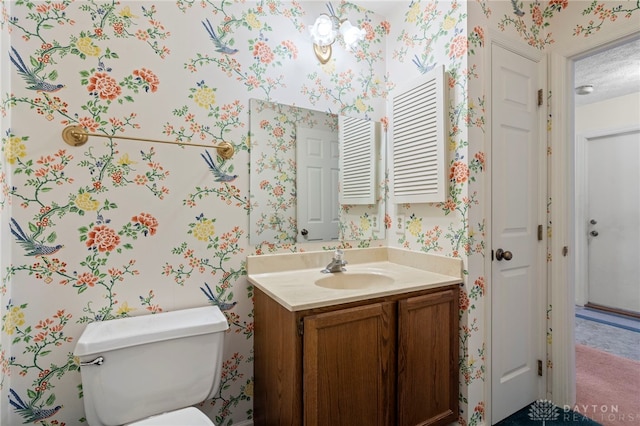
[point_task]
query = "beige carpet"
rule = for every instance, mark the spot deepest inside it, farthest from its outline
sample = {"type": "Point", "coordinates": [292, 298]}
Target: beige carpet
{"type": "Point", "coordinates": [607, 387]}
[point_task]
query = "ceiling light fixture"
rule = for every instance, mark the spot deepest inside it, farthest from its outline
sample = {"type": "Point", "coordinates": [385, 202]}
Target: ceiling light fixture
{"type": "Point", "coordinates": [584, 90]}
{"type": "Point", "coordinates": [326, 29]}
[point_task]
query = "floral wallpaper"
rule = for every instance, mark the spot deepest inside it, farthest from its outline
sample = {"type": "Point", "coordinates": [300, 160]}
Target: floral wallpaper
{"type": "Point", "coordinates": [119, 228]}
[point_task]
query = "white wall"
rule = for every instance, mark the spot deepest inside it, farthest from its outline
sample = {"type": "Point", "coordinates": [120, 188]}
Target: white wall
{"type": "Point", "coordinates": [610, 114]}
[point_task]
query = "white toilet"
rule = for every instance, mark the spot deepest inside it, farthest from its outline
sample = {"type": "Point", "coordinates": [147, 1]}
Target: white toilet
{"type": "Point", "coordinates": [145, 370]}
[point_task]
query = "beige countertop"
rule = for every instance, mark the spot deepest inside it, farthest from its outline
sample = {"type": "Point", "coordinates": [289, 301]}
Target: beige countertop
{"type": "Point", "coordinates": [291, 278]}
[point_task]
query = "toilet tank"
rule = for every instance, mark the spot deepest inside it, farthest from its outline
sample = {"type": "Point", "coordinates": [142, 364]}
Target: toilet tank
{"type": "Point", "coordinates": [151, 364]}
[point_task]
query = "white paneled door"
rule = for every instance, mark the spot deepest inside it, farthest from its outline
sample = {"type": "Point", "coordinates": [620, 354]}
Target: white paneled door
{"type": "Point", "coordinates": [516, 279]}
{"type": "Point", "coordinates": [317, 154]}
{"type": "Point", "coordinates": [613, 228]}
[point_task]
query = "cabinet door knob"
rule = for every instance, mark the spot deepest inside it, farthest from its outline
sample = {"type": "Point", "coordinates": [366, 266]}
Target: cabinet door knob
{"type": "Point", "coordinates": [304, 232]}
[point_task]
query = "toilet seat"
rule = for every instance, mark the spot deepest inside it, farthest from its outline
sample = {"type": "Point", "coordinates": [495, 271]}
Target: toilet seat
{"type": "Point", "coordinates": [190, 416]}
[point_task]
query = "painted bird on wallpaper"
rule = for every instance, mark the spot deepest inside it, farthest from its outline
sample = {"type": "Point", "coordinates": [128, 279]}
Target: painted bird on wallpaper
{"type": "Point", "coordinates": [220, 46]}
{"type": "Point", "coordinates": [516, 8]}
{"type": "Point", "coordinates": [219, 175]}
{"type": "Point", "coordinates": [422, 66]}
{"type": "Point", "coordinates": [32, 247]}
{"type": "Point", "coordinates": [224, 306]}
{"type": "Point", "coordinates": [34, 82]}
{"type": "Point", "coordinates": [30, 414]}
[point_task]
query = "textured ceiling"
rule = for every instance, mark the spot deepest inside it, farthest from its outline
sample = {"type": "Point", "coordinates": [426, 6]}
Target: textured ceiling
{"type": "Point", "coordinates": [613, 72]}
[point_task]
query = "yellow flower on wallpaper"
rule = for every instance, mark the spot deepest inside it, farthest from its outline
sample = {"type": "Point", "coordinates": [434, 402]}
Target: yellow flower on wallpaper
{"type": "Point", "coordinates": [86, 203]}
{"type": "Point", "coordinates": [126, 12]}
{"type": "Point", "coordinates": [413, 13]}
{"type": "Point", "coordinates": [253, 21]}
{"type": "Point", "coordinates": [86, 46]}
{"type": "Point", "coordinates": [248, 389]}
{"type": "Point", "coordinates": [365, 223]}
{"type": "Point", "coordinates": [204, 229]}
{"type": "Point", "coordinates": [125, 161]}
{"type": "Point", "coordinates": [125, 309]}
{"type": "Point", "coordinates": [14, 148]}
{"type": "Point", "coordinates": [414, 226]}
{"type": "Point", "coordinates": [448, 23]}
{"type": "Point", "coordinates": [13, 319]}
{"type": "Point", "coordinates": [360, 105]}
{"type": "Point", "coordinates": [329, 67]}
{"type": "Point", "coordinates": [205, 97]}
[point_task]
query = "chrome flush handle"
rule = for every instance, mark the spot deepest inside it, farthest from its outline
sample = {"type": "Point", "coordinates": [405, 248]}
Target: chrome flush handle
{"type": "Point", "coordinates": [97, 361]}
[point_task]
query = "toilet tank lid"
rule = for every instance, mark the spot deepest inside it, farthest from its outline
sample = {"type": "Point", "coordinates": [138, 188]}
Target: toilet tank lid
{"type": "Point", "coordinates": [102, 336]}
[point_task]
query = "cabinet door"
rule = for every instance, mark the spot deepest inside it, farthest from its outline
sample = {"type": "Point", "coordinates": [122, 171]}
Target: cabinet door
{"type": "Point", "coordinates": [428, 359]}
{"type": "Point", "coordinates": [349, 366]}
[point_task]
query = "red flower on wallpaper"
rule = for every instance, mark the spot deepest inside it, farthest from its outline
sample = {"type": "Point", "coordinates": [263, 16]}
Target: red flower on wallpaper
{"type": "Point", "coordinates": [149, 77]}
{"type": "Point", "coordinates": [103, 238]}
{"type": "Point", "coordinates": [262, 51]}
{"type": "Point", "coordinates": [147, 221]}
{"type": "Point", "coordinates": [459, 172]}
{"type": "Point", "coordinates": [105, 86]}
{"type": "Point", "coordinates": [458, 47]}
{"type": "Point", "coordinates": [86, 278]}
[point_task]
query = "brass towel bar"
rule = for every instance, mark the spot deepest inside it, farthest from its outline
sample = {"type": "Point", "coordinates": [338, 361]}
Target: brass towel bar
{"type": "Point", "coordinates": [78, 136]}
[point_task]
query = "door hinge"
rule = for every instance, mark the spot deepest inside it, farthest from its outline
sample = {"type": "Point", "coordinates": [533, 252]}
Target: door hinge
{"type": "Point", "coordinates": [540, 232]}
{"type": "Point", "coordinates": [301, 326]}
{"type": "Point", "coordinates": [540, 367]}
{"type": "Point", "coordinates": [540, 98]}
{"type": "Point", "coordinates": [565, 251]}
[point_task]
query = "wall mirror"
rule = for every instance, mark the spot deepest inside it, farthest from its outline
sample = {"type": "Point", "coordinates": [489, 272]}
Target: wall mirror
{"type": "Point", "coordinates": [294, 180]}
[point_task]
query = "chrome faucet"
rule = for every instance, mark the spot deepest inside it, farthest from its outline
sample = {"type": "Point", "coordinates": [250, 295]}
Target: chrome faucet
{"type": "Point", "coordinates": [336, 264]}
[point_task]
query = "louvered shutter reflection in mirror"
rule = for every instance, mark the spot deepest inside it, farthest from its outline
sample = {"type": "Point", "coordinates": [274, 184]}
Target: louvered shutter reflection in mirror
{"type": "Point", "coordinates": [419, 140]}
{"type": "Point", "coordinates": [358, 140]}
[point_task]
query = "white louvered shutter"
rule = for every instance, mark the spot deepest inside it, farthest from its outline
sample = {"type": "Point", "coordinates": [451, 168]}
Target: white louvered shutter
{"type": "Point", "coordinates": [419, 140]}
{"type": "Point", "coordinates": [357, 160]}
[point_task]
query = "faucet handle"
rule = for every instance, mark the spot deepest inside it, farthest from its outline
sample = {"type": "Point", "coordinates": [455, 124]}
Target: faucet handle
{"type": "Point", "coordinates": [337, 255]}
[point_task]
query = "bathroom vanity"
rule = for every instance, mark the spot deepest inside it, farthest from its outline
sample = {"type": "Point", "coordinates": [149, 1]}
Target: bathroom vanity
{"type": "Point", "coordinates": [374, 345]}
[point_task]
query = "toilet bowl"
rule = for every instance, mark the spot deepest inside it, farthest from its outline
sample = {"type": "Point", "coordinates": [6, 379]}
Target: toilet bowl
{"type": "Point", "coordinates": [151, 369]}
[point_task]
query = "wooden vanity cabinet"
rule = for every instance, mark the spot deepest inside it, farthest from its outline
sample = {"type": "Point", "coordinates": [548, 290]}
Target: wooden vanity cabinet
{"type": "Point", "coordinates": [384, 361]}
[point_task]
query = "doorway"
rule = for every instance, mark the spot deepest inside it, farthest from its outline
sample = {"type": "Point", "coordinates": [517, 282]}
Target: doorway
{"type": "Point", "coordinates": [606, 196]}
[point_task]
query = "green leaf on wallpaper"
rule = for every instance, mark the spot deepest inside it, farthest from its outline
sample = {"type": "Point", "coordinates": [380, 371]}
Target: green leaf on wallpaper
{"type": "Point", "coordinates": [53, 75]}
{"type": "Point", "coordinates": [82, 289]}
{"type": "Point", "coordinates": [46, 26]}
{"type": "Point", "coordinates": [230, 169]}
{"type": "Point", "coordinates": [45, 189]}
{"type": "Point", "coordinates": [127, 246]}
{"type": "Point", "coordinates": [52, 237]}
{"type": "Point", "coordinates": [230, 296]}
{"type": "Point", "coordinates": [43, 353]}
{"type": "Point", "coordinates": [51, 399]}
{"type": "Point", "coordinates": [15, 340]}
{"type": "Point", "coordinates": [109, 205]}
{"type": "Point", "coordinates": [109, 54]}
{"type": "Point", "coordinates": [32, 227]}
{"type": "Point", "coordinates": [31, 394]}
{"type": "Point", "coordinates": [33, 61]}
{"type": "Point", "coordinates": [129, 98]}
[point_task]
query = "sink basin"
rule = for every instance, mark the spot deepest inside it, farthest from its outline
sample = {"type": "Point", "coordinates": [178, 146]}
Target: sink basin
{"type": "Point", "coordinates": [353, 280]}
